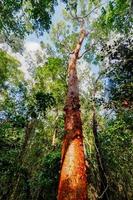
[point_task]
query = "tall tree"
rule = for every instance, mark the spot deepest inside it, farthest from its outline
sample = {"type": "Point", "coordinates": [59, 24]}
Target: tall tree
{"type": "Point", "coordinates": [73, 181]}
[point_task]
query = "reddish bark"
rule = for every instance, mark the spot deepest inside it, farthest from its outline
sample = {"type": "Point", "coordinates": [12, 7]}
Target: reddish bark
{"type": "Point", "coordinates": [73, 180]}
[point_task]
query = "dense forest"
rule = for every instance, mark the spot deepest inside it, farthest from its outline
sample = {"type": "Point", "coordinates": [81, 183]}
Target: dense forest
{"type": "Point", "coordinates": [66, 99]}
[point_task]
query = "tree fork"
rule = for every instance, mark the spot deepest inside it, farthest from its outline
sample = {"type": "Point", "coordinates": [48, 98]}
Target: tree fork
{"type": "Point", "coordinates": [73, 180]}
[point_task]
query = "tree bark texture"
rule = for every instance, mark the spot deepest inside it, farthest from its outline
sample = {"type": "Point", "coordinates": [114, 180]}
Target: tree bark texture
{"type": "Point", "coordinates": [73, 180]}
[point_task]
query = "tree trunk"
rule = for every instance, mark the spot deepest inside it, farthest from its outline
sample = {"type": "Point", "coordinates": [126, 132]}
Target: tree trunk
{"type": "Point", "coordinates": [55, 130]}
{"type": "Point", "coordinates": [28, 132]}
{"type": "Point", "coordinates": [73, 180]}
{"type": "Point", "coordinates": [101, 168]}
{"type": "Point", "coordinates": [29, 129]}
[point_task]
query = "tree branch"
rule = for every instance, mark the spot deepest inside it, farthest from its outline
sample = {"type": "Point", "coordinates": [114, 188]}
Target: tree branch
{"type": "Point", "coordinates": [92, 10]}
{"type": "Point", "coordinates": [83, 53]}
{"type": "Point", "coordinates": [88, 49]}
{"type": "Point", "coordinates": [100, 161]}
{"type": "Point", "coordinates": [67, 48]}
{"type": "Point", "coordinates": [81, 18]}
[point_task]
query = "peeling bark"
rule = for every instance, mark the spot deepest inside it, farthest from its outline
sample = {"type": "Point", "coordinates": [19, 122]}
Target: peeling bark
{"type": "Point", "coordinates": [73, 180]}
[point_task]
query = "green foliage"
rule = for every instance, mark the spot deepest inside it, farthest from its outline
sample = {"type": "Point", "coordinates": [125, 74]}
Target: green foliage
{"type": "Point", "coordinates": [64, 38]}
{"type": "Point", "coordinates": [115, 17]}
{"type": "Point", "coordinates": [19, 106]}
{"type": "Point", "coordinates": [46, 178]}
{"type": "Point", "coordinates": [25, 16]}
{"type": "Point", "coordinates": [52, 78]}
{"type": "Point", "coordinates": [120, 73]}
{"type": "Point", "coordinates": [9, 68]}
{"type": "Point", "coordinates": [10, 141]}
{"type": "Point", "coordinates": [116, 143]}
{"type": "Point", "coordinates": [44, 101]}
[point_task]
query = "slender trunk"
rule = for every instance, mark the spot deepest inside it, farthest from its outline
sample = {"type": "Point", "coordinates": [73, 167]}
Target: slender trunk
{"type": "Point", "coordinates": [55, 130]}
{"type": "Point", "coordinates": [53, 138]}
{"type": "Point", "coordinates": [28, 132]}
{"type": "Point", "coordinates": [73, 180]}
{"type": "Point", "coordinates": [101, 168]}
